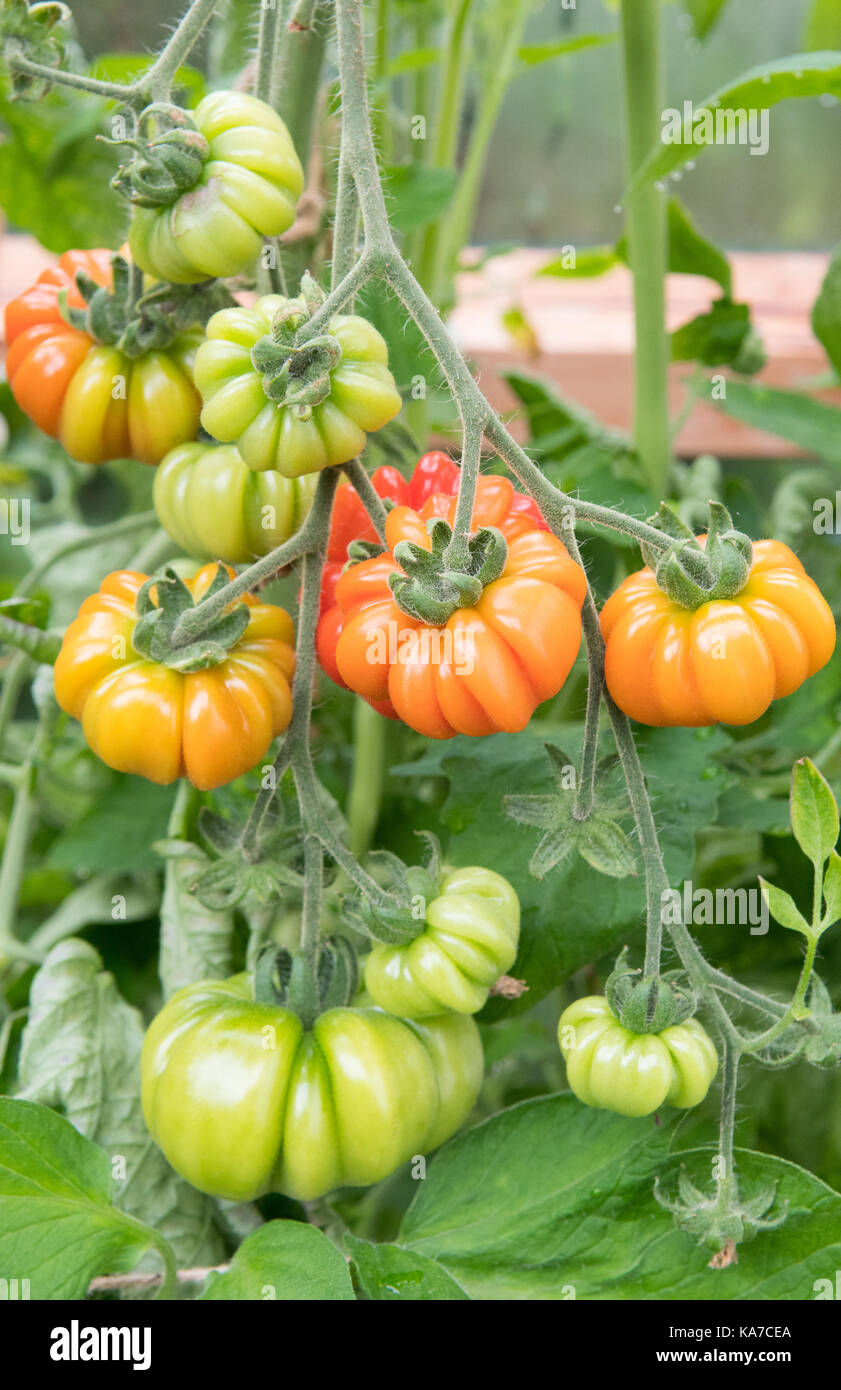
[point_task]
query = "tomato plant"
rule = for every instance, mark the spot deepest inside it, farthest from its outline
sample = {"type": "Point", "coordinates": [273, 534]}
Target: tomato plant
{"type": "Point", "coordinates": [372, 743]}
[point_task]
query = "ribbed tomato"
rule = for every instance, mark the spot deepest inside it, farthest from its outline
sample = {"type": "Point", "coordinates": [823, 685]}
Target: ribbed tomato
{"type": "Point", "coordinates": [141, 716]}
{"type": "Point", "coordinates": [100, 403]}
{"type": "Point", "coordinates": [725, 661]}
{"type": "Point", "coordinates": [490, 665]}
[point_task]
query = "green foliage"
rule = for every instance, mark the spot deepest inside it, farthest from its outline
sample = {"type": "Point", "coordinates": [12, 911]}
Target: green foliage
{"type": "Point", "coordinates": [802, 75]}
{"type": "Point", "coordinates": [551, 1200]}
{"type": "Point", "coordinates": [57, 1224]}
{"type": "Point", "coordinates": [284, 1260]}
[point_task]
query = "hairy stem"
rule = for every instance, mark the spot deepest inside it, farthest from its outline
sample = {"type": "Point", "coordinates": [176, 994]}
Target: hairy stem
{"type": "Point", "coordinates": [370, 497]}
{"type": "Point", "coordinates": [271, 17]}
{"type": "Point", "coordinates": [585, 792]}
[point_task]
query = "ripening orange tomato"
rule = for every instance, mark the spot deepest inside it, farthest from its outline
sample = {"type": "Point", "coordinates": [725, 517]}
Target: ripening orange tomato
{"type": "Point", "coordinates": [721, 663]}
{"type": "Point", "coordinates": [489, 666]}
{"type": "Point", "coordinates": [144, 717]}
{"type": "Point", "coordinates": [96, 400]}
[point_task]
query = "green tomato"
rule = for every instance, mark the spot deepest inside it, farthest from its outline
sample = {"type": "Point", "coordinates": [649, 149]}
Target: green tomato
{"type": "Point", "coordinates": [248, 188]}
{"type": "Point", "coordinates": [215, 507]}
{"type": "Point", "coordinates": [360, 394]}
{"type": "Point", "coordinates": [611, 1068]}
{"type": "Point", "coordinates": [243, 1100]}
{"type": "Point", "coordinates": [470, 938]}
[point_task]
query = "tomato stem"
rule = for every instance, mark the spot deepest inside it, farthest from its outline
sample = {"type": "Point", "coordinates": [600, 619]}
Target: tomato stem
{"type": "Point", "coordinates": [369, 496]}
{"type": "Point", "coordinates": [647, 238]}
{"type": "Point", "coordinates": [366, 787]}
{"type": "Point", "coordinates": [267, 40]}
{"type": "Point", "coordinates": [585, 793]}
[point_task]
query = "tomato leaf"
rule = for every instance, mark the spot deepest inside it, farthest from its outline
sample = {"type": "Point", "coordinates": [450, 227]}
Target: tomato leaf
{"type": "Point", "coordinates": [390, 1274]}
{"type": "Point", "coordinates": [58, 1228]}
{"type": "Point", "coordinates": [832, 888]}
{"type": "Point", "coordinates": [533, 53]}
{"type": "Point", "coordinates": [717, 337]}
{"type": "Point", "coordinates": [811, 425]}
{"type": "Point", "coordinates": [826, 312]}
{"type": "Point", "coordinates": [417, 195]}
{"type": "Point", "coordinates": [691, 254]}
{"type": "Point", "coordinates": [605, 845]}
{"type": "Point", "coordinates": [814, 813]}
{"type": "Point", "coordinates": [823, 25]}
{"type": "Point", "coordinates": [576, 1185]}
{"type": "Point", "coordinates": [801, 75]}
{"type": "Point", "coordinates": [783, 908]}
{"type": "Point", "coordinates": [704, 14]}
{"type": "Point", "coordinates": [131, 814]}
{"type": "Point", "coordinates": [285, 1260]}
{"type": "Point", "coordinates": [81, 1051]}
{"type": "Point", "coordinates": [592, 260]}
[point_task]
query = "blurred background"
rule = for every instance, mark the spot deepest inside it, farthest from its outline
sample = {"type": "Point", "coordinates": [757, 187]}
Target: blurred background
{"type": "Point", "coordinates": [556, 160]}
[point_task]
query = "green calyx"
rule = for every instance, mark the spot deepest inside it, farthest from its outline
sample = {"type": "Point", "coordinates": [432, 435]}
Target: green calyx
{"type": "Point", "coordinates": [429, 589]}
{"type": "Point", "coordinates": [149, 323]}
{"type": "Point", "coordinates": [722, 1221]}
{"type": "Point", "coordinates": [411, 890]}
{"type": "Point", "coordinates": [308, 985]}
{"type": "Point", "coordinates": [646, 1004]}
{"type": "Point", "coordinates": [165, 164]}
{"type": "Point", "coordinates": [153, 636]}
{"type": "Point", "coordinates": [296, 374]}
{"type": "Point", "coordinates": [692, 575]}
{"type": "Point", "coordinates": [29, 31]}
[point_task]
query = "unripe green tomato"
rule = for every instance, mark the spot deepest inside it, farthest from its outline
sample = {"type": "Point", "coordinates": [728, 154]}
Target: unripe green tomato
{"type": "Point", "coordinates": [362, 396]}
{"type": "Point", "coordinates": [243, 1100]}
{"type": "Point", "coordinates": [215, 507]}
{"type": "Point", "coordinates": [611, 1068]}
{"type": "Point", "coordinates": [470, 939]}
{"type": "Point", "coordinates": [248, 188]}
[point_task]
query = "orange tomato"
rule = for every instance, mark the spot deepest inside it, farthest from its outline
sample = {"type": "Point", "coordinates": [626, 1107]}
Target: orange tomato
{"type": "Point", "coordinates": [100, 403]}
{"type": "Point", "coordinates": [143, 717]}
{"type": "Point", "coordinates": [490, 665]}
{"type": "Point", "coordinates": [724, 662]}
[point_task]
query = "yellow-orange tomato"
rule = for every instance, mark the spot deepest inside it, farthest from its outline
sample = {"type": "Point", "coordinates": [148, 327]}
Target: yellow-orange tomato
{"type": "Point", "coordinates": [724, 662]}
{"type": "Point", "coordinates": [144, 717]}
{"type": "Point", "coordinates": [100, 403]}
{"type": "Point", "coordinates": [490, 665]}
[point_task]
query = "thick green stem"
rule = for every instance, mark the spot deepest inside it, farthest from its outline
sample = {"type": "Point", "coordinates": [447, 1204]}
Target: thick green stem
{"type": "Point", "coordinates": [299, 59]}
{"type": "Point", "coordinates": [41, 646]}
{"type": "Point", "coordinates": [196, 620]}
{"type": "Point", "coordinates": [111, 91]}
{"type": "Point", "coordinates": [16, 845]}
{"type": "Point", "coordinates": [647, 239]}
{"type": "Point", "coordinates": [585, 791]}
{"type": "Point", "coordinates": [366, 787]}
{"type": "Point", "coordinates": [345, 227]}
{"type": "Point", "coordinates": [271, 17]}
{"type": "Point", "coordinates": [456, 554]}
{"type": "Point", "coordinates": [313, 893]}
{"type": "Point", "coordinates": [380, 115]}
{"type": "Point", "coordinates": [14, 679]}
{"type": "Point", "coordinates": [159, 79]}
{"type": "Point", "coordinates": [726, 1179]}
